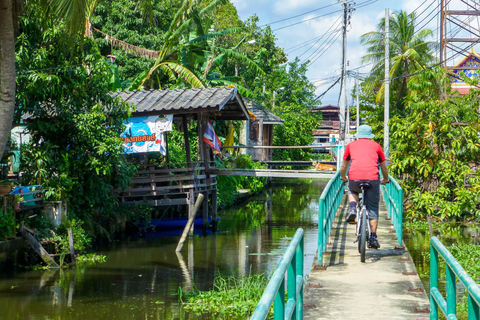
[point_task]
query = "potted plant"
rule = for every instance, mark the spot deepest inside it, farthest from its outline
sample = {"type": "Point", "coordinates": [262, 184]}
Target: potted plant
{"type": "Point", "coordinates": [55, 200]}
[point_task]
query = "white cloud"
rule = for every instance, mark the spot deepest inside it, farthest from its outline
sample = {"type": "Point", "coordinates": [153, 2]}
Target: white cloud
{"type": "Point", "coordinates": [288, 6]}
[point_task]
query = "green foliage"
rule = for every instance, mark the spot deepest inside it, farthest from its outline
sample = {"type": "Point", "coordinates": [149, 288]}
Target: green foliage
{"type": "Point", "coordinates": [436, 152]}
{"type": "Point", "coordinates": [296, 131]}
{"type": "Point", "coordinates": [7, 222]}
{"type": "Point", "coordinates": [90, 259]}
{"type": "Point", "coordinates": [81, 241]}
{"type": "Point", "coordinates": [253, 184]}
{"type": "Point", "coordinates": [76, 150]}
{"type": "Point", "coordinates": [468, 256]}
{"type": "Point", "coordinates": [231, 298]}
{"type": "Point", "coordinates": [226, 187]}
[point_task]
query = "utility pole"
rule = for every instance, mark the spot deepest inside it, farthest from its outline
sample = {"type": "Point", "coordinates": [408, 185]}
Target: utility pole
{"type": "Point", "coordinates": [344, 74]}
{"type": "Point", "coordinates": [386, 132]}
{"type": "Point", "coordinates": [358, 103]}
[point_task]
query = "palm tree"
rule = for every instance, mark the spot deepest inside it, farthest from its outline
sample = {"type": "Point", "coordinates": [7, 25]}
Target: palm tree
{"type": "Point", "coordinates": [409, 51]}
{"type": "Point", "coordinates": [190, 49]}
{"type": "Point", "coordinates": [7, 72]}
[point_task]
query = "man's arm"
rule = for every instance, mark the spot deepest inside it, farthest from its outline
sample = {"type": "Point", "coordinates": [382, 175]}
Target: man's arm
{"type": "Point", "coordinates": [343, 170]}
{"type": "Point", "coordinates": [383, 167]}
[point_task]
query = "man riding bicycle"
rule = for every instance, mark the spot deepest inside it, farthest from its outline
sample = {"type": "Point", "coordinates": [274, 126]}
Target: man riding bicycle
{"type": "Point", "coordinates": [364, 155]}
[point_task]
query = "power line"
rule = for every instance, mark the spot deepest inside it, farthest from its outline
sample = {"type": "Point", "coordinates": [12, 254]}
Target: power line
{"type": "Point", "coordinates": [337, 30]}
{"type": "Point", "coordinates": [316, 38]}
{"type": "Point", "coordinates": [325, 49]}
{"type": "Point", "coordinates": [360, 5]}
{"type": "Point", "coordinates": [298, 15]}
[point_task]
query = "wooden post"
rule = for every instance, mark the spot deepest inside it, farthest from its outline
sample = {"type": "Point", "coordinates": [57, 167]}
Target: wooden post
{"type": "Point", "coordinates": [214, 210]}
{"type": "Point", "coordinates": [187, 140]}
{"type": "Point", "coordinates": [205, 212]}
{"type": "Point", "coordinates": [38, 248]}
{"type": "Point", "coordinates": [189, 223]}
{"type": "Point", "coordinates": [165, 136]}
{"type": "Point", "coordinates": [260, 139]}
{"type": "Point", "coordinates": [191, 208]}
{"type": "Point", "coordinates": [70, 242]}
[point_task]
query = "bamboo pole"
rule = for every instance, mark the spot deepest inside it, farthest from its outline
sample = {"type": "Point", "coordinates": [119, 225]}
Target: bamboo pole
{"type": "Point", "coordinates": [189, 223]}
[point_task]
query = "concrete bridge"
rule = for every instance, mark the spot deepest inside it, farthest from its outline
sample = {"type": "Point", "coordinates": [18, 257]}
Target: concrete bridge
{"type": "Point", "coordinates": [386, 286]}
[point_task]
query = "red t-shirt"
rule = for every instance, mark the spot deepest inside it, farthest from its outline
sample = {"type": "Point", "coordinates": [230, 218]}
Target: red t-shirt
{"type": "Point", "coordinates": [365, 155]}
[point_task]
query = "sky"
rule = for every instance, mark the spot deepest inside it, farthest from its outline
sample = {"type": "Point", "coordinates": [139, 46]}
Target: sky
{"type": "Point", "coordinates": [325, 17]}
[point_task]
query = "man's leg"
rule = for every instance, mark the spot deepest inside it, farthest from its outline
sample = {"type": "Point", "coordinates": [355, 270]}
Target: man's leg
{"type": "Point", "coordinates": [373, 225]}
{"type": "Point", "coordinates": [373, 201]}
{"type": "Point", "coordinates": [353, 200]}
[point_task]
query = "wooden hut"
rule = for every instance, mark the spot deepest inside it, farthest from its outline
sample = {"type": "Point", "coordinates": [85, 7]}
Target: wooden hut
{"type": "Point", "coordinates": [259, 131]}
{"type": "Point", "coordinates": [180, 183]}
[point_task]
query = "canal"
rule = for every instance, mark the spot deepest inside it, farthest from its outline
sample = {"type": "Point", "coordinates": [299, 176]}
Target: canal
{"type": "Point", "coordinates": [142, 275]}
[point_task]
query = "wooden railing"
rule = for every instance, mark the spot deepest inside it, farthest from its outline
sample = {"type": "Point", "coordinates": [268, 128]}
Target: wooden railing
{"type": "Point", "coordinates": [170, 184]}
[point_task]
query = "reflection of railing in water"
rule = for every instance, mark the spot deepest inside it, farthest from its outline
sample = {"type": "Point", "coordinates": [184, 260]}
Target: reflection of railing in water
{"type": "Point", "coordinates": [453, 271]}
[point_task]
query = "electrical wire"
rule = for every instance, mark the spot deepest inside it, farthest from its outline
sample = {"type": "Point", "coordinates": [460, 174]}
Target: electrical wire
{"type": "Point", "coordinates": [320, 37]}
{"type": "Point", "coordinates": [336, 31]}
{"type": "Point", "coordinates": [298, 15]}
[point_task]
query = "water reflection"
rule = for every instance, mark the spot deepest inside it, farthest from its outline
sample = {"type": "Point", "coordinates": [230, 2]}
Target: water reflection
{"type": "Point", "coordinates": [141, 277]}
{"type": "Point", "coordinates": [418, 244]}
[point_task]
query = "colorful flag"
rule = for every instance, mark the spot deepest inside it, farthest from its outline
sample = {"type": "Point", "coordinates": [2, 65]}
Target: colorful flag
{"type": "Point", "coordinates": [210, 138]}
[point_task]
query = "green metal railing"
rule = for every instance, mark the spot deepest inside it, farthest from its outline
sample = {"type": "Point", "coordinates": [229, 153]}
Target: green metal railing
{"type": "Point", "coordinates": [393, 195]}
{"type": "Point", "coordinates": [292, 263]}
{"type": "Point", "coordinates": [453, 271]}
{"type": "Point", "coordinates": [329, 202]}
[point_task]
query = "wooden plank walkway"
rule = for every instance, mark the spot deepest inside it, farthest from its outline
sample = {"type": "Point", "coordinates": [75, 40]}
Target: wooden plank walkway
{"type": "Point", "coordinates": [384, 287]}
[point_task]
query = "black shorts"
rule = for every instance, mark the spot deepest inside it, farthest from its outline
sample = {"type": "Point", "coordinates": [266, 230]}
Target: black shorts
{"type": "Point", "coordinates": [372, 195]}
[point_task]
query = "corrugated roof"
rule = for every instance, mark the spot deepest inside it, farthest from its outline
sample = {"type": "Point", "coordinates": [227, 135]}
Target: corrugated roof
{"type": "Point", "coordinates": [224, 102]}
{"type": "Point", "coordinates": [261, 112]}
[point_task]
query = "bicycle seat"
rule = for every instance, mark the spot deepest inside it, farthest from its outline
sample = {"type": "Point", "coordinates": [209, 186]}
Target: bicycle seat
{"type": "Point", "coordinates": [365, 185]}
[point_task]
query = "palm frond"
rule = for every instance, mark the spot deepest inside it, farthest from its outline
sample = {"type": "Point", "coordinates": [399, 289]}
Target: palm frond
{"type": "Point", "coordinates": [215, 34]}
{"type": "Point", "coordinates": [212, 6]}
{"type": "Point", "coordinates": [240, 57]}
{"type": "Point", "coordinates": [185, 73]}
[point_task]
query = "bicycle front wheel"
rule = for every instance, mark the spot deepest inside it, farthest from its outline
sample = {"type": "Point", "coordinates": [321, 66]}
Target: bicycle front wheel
{"type": "Point", "coordinates": [362, 244]}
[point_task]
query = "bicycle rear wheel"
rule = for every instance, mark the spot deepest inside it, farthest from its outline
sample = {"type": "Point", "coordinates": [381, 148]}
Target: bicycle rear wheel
{"type": "Point", "coordinates": [362, 244]}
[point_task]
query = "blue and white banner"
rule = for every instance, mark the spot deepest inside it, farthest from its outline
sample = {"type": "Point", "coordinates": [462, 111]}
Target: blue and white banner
{"type": "Point", "coordinates": [145, 134]}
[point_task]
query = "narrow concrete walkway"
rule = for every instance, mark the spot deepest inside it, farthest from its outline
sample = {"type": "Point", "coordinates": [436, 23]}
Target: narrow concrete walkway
{"type": "Point", "coordinates": [384, 287]}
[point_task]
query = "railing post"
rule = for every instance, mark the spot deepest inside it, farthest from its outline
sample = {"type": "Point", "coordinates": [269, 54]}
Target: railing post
{"type": "Point", "coordinates": [473, 309]}
{"type": "Point", "coordinates": [451, 291]}
{"type": "Point", "coordinates": [279, 302]}
{"type": "Point", "coordinates": [292, 282]}
{"type": "Point", "coordinates": [433, 282]}
{"type": "Point", "coordinates": [300, 251]}
{"type": "Point", "coordinates": [321, 232]}
{"type": "Point", "coordinates": [400, 218]}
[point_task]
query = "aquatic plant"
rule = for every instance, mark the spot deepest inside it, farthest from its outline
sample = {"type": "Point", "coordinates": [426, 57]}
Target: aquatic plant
{"type": "Point", "coordinates": [231, 298]}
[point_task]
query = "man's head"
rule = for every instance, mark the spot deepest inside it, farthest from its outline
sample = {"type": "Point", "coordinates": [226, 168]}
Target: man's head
{"type": "Point", "coordinates": [364, 132]}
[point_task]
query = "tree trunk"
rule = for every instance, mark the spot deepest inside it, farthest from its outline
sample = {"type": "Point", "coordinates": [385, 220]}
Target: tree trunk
{"type": "Point", "coordinates": [7, 72]}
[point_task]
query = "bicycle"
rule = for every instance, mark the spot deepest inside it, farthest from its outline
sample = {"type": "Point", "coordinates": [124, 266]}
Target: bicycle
{"type": "Point", "coordinates": [363, 222]}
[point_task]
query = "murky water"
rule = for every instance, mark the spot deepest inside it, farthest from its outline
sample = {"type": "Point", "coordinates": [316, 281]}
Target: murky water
{"type": "Point", "coordinates": [418, 244]}
{"type": "Point", "coordinates": [142, 276]}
